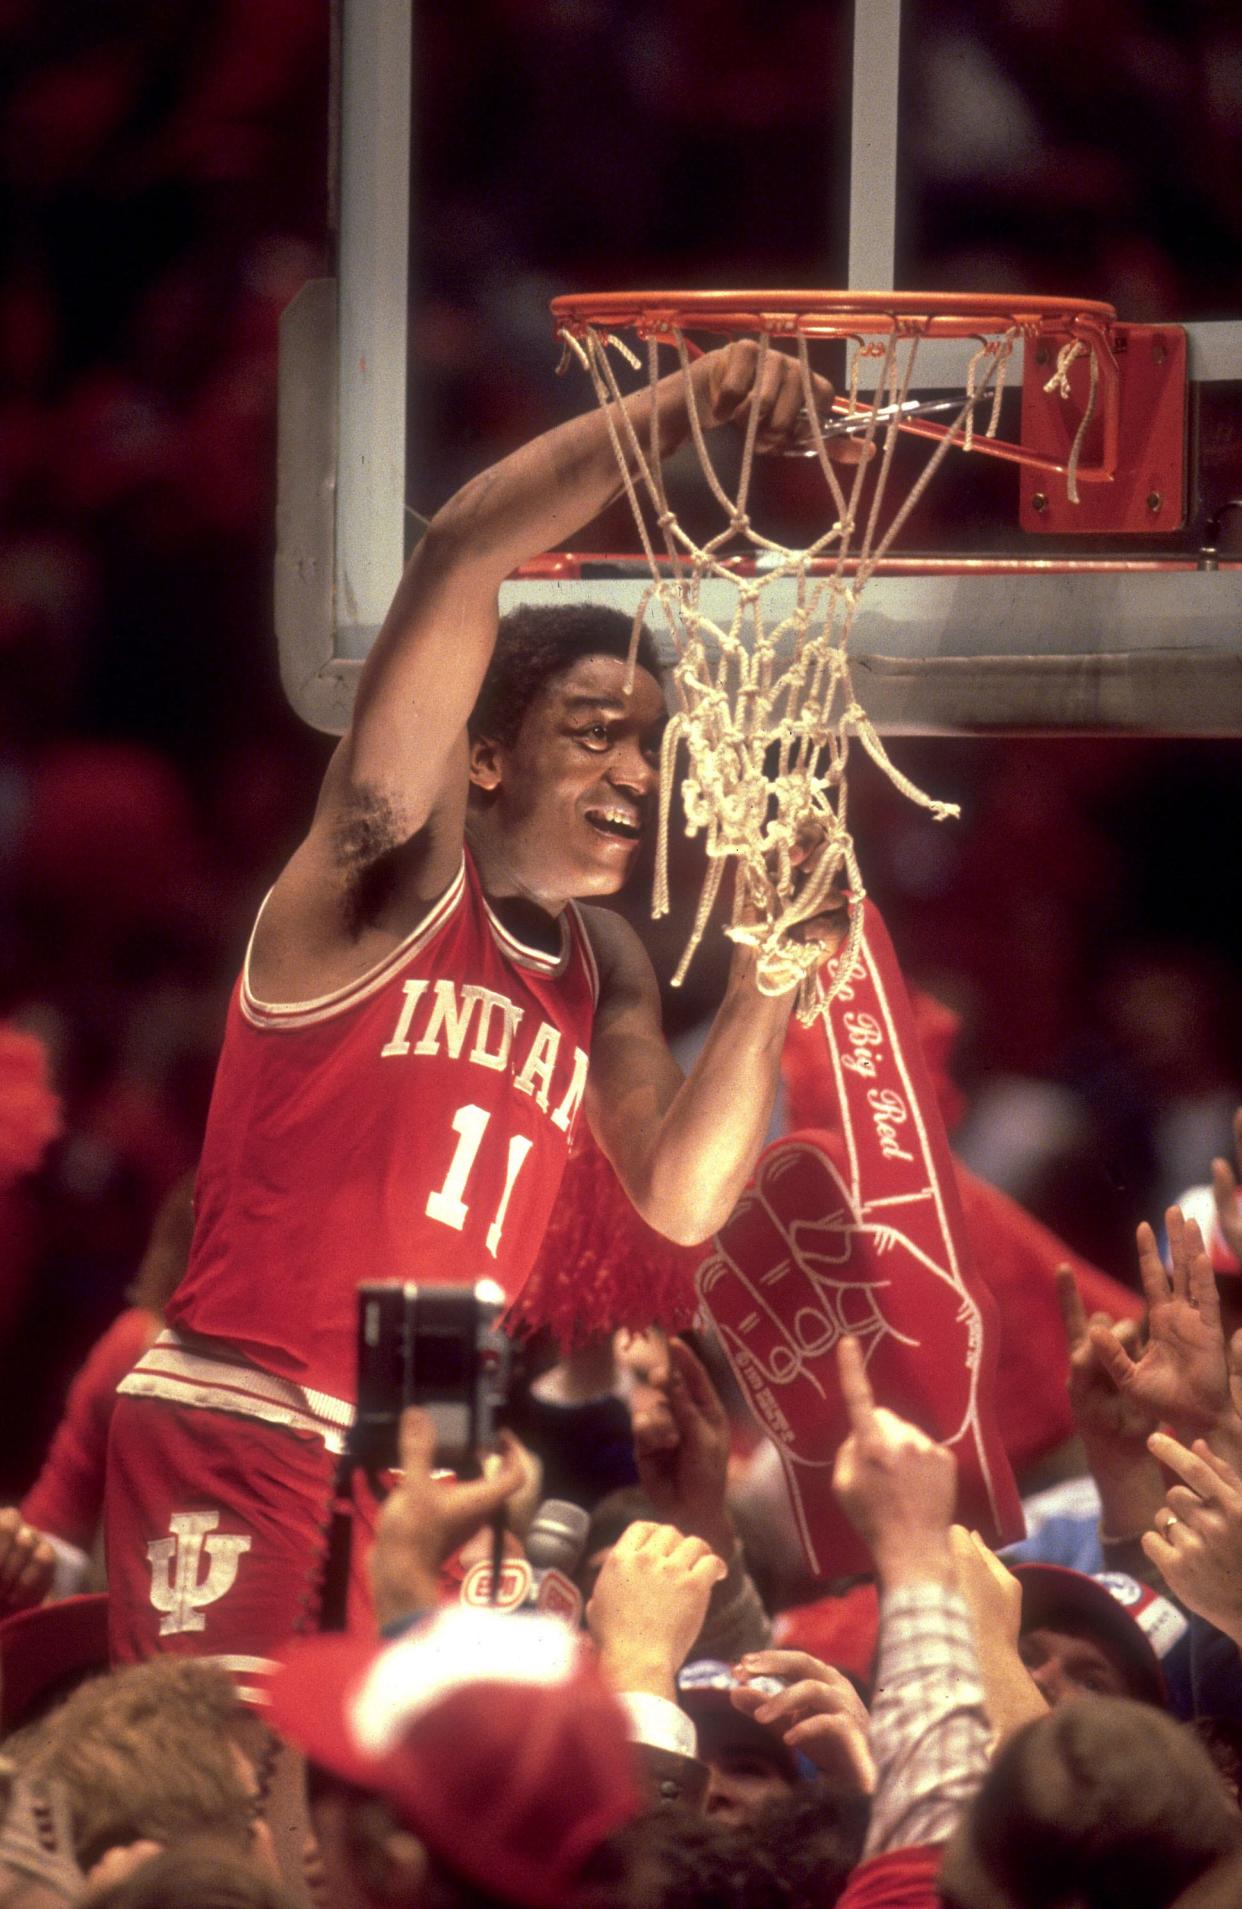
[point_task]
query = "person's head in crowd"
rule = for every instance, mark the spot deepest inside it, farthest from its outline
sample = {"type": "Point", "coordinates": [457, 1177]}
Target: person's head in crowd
{"type": "Point", "coordinates": [748, 1764]}
{"type": "Point", "coordinates": [150, 1751]}
{"type": "Point", "coordinates": [198, 1873]}
{"type": "Point", "coordinates": [677, 1859]}
{"type": "Point", "coordinates": [1094, 1636]}
{"type": "Point", "coordinates": [1221, 1737]}
{"type": "Point", "coordinates": [796, 1852]}
{"type": "Point", "coordinates": [479, 1759]}
{"type": "Point", "coordinates": [811, 1838]}
{"type": "Point", "coordinates": [1101, 1802]}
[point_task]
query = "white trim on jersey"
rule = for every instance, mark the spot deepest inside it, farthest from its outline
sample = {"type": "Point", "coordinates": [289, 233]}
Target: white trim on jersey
{"type": "Point", "coordinates": [523, 956]}
{"type": "Point", "coordinates": [290, 1014]}
{"type": "Point", "coordinates": [592, 965]}
{"type": "Point", "coordinates": [171, 1370]}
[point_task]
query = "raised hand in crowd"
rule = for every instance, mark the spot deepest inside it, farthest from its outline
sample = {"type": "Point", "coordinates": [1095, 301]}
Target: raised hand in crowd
{"type": "Point", "coordinates": [425, 1519]}
{"type": "Point", "coordinates": [1225, 1185]}
{"type": "Point", "coordinates": [1181, 1376]}
{"type": "Point", "coordinates": [648, 1606]}
{"type": "Point", "coordinates": [27, 1563]}
{"type": "Point", "coordinates": [681, 1439]}
{"type": "Point", "coordinates": [1197, 1541]}
{"type": "Point", "coordinates": [1113, 1424]}
{"type": "Point", "coordinates": [995, 1600]}
{"type": "Point", "coordinates": [819, 1713]}
{"type": "Point", "coordinates": [896, 1485]}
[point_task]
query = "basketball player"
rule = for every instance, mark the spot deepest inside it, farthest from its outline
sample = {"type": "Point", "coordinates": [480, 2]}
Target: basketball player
{"type": "Point", "coordinates": [423, 1013]}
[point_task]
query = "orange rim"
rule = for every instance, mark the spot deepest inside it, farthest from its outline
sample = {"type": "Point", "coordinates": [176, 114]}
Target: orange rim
{"type": "Point", "coordinates": [828, 314]}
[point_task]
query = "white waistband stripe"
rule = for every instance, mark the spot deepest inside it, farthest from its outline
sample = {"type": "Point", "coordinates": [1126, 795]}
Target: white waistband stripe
{"type": "Point", "coordinates": [170, 1370]}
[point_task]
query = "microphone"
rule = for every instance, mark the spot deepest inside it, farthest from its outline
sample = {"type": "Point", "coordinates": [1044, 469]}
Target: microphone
{"type": "Point", "coordinates": [543, 1579]}
{"type": "Point", "coordinates": [557, 1536]}
{"type": "Point", "coordinates": [555, 1544]}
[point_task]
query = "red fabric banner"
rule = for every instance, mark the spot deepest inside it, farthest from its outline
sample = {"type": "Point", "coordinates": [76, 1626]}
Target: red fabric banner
{"type": "Point", "coordinates": [861, 1231]}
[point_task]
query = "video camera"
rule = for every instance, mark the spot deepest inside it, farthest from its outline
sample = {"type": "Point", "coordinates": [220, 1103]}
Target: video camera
{"type": "Point", "coordinates": [440, 1347]}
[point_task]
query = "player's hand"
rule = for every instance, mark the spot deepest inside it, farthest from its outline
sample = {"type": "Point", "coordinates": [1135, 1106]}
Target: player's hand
{"type": "Point", "coordinates": [648, 1606]}
{"type": "Point", "coordinates": [424, 1520]}
{"type": "Point", "coordinates": [819, 1712]}
{"type": "Point", "coordinates": [896, 1485]}
{"type": "Point", "coordinates": [1197, 1541]}
{"type": "Point", "coordinates": [27, 1563]}
{"type": "Point", "coordinates": [681, 1447]}
{"type": "Point", "coordinates": [1181, 1376]}
{"type": "Point", "coordinates": [738, 378]}
{"type": "Point", "coordinates": [829, 926]}
{"type": "Point", "coordinates": [1225, 1187]}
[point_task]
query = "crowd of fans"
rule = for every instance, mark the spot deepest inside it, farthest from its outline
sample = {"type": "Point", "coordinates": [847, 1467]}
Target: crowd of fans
{"type": "Point", "coordinates": [167, 174]}
{"type": "Point", "coordinates": [658, 1713]}
{"type": "Point", "coordinates": [1063, 1722]}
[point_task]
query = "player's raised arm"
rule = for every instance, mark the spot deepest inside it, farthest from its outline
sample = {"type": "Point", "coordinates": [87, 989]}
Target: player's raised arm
{"type": "Point", "coordinates": [402, 765]}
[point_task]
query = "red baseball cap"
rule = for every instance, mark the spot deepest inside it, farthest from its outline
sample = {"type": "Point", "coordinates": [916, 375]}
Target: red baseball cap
{"type": "Point", "coordinates": [48, 1650]}
{"type": "Point", "coordinates": [1139, 1624]}
{"type": "Point", "coordinates": [492, 1736]}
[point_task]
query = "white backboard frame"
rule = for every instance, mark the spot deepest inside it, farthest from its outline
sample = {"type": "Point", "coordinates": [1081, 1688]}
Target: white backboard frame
{"type": "Point", "coordinates": [1075, 648]}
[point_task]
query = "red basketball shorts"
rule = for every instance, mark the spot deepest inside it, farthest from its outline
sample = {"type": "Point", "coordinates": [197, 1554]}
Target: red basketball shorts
{"type": "Point", "coordinates": [216, 1531]}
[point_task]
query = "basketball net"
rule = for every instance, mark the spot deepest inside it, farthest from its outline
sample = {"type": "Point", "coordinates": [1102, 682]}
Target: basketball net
{"type": "Point", "coordinates": [765, 708]}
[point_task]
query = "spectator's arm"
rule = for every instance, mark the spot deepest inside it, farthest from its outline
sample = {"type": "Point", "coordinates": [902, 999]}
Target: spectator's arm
{"type": "Point", "coordinates": [994, 1598]}
{"type": "Point", "coordinates": [681, 1453]}
{"type": "Point", "coordinates": [1196, 1543]}
{"type": "Point", "coordinates": [818, 1713]}
{"type": "Point", "coordinates": [929, 1728]}
{"type": "Point", "coordinates": [1113, 1425]}
{"type": "Point", "coordinates": [27, 1563]}
{"type": "Point", "coordinates": [648, 1606]}
{"type": "Point", "coordinates": [425, 1520]}
{"type": "Point", "coordinates": [1225, 1186]}
{"type": "Point", "coordinates": [1181, 1377]}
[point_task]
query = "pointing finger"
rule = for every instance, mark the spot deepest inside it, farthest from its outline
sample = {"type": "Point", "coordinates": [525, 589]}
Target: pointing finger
{"type": "Point", "coordinates": [855, 1385]}
{"type": "Point", "coordinates": [1073, 1313]}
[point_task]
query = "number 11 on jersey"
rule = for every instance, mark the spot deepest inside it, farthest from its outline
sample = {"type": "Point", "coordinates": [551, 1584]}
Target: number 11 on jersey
{"type": "Point", "coordinates": [448, 1203]}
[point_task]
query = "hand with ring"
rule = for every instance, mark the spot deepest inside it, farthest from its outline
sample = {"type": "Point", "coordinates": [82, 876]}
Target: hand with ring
{"type": "Point", "coordinates": [1197, 1541]}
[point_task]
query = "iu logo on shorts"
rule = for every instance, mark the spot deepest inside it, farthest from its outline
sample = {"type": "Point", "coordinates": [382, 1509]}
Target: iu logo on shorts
{"type": "Point", "coordinates": [176, 1589]}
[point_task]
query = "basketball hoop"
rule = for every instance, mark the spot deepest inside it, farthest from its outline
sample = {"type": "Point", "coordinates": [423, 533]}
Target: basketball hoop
{"type": "Point", "coordinates": [765, 708]}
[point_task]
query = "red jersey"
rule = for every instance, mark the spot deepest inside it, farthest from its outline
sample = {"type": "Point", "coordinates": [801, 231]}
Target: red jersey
{"type": "Point", "coordinates": [412, 1125]}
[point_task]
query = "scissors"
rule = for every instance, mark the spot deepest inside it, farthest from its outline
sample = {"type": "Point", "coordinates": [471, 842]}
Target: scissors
{"type": "Point", "coordinates": [912, 408]}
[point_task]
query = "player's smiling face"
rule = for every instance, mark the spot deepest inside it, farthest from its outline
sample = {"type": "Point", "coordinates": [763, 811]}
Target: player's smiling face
{"type": "Point", "coordinates": [572, 796]}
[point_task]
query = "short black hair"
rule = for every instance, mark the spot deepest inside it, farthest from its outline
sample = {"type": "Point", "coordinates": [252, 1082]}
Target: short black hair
{"type": "Point", "coordinates": [538, 642]}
